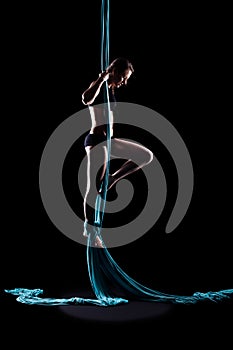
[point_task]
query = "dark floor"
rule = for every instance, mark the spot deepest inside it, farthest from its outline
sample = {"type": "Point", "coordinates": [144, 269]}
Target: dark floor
{"type": "Point", "coordinates": [147, 323]}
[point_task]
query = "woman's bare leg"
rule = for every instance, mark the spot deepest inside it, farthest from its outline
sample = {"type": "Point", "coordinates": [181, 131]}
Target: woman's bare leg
{"type": "Point", "coordinates": [99, 152]}
{"type": "Point", "coordinates": [138, 156]}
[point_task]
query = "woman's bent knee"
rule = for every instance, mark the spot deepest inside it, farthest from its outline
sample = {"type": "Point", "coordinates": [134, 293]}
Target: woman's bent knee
{"type": "Point", "coordinates": [149, 156]}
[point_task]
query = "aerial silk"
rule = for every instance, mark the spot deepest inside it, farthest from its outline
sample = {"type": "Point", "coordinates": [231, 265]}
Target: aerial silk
{"type": "Point", "coordinates": [105, 274]}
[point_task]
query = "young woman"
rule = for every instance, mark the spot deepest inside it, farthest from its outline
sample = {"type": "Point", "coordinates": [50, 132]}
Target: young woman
{"type": "Point", "coordinates": [116, 75]}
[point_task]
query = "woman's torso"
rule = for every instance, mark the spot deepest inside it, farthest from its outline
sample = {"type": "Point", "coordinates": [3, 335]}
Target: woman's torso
{"type": "Point", "coordinates": [100, 121]}
{"type": "Point", "coordinates": [101, 116]}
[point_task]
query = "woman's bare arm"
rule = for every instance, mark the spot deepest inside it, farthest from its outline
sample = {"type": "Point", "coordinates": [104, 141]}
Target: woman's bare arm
{"type": "Point", "coordinates": [89, 95]}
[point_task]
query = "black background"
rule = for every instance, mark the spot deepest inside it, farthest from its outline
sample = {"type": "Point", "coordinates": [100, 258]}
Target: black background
{"type": "Point", "coordinates": [181, 56]}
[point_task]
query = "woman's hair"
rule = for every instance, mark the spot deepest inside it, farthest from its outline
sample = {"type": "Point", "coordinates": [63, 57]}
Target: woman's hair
{"type": "Point", "coordinates": [121, 64]}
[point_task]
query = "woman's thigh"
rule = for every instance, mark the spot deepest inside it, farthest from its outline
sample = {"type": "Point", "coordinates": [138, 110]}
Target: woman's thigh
{"type": "Point", "coordinates": [130, 150]}
{"type": "Point", "coordinates": [96, 164]}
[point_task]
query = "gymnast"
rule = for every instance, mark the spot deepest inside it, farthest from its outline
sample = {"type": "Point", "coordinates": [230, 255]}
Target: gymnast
{"type": "Point", "coordinates": [136, 156]}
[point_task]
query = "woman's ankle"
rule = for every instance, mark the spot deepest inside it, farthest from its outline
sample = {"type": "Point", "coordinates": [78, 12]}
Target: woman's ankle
{"type": "Point", "coordinates": [111, 181]}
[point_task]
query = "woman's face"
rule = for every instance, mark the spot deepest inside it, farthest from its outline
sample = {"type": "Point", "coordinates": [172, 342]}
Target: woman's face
{"type": "Point", "coordinates": [119, 79]}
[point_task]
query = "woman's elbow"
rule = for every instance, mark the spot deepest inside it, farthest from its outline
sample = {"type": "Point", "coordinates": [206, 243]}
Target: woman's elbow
{"type": "Point", "coordinates": [85, 100]}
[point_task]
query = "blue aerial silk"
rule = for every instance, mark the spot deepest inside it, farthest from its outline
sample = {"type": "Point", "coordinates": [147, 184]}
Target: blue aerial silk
{"type": "Point", "coordinates": [102, 268]}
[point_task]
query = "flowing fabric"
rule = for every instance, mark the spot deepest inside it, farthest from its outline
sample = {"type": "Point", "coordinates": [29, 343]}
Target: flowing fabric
{"type": "Point", "coordinates": [107, 279]}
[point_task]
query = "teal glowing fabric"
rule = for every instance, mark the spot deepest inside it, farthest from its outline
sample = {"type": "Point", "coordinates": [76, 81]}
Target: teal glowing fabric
{"type": "Point", "coordinates": [105, 274]}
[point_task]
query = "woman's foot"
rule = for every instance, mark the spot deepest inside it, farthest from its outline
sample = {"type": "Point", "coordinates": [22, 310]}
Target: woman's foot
{"type": "Point", "coordinates": [89, 229]}
{"type": "Point", "coordinates": [85, 234]}
{"type": "Point", "coordinates": [98, 242]}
